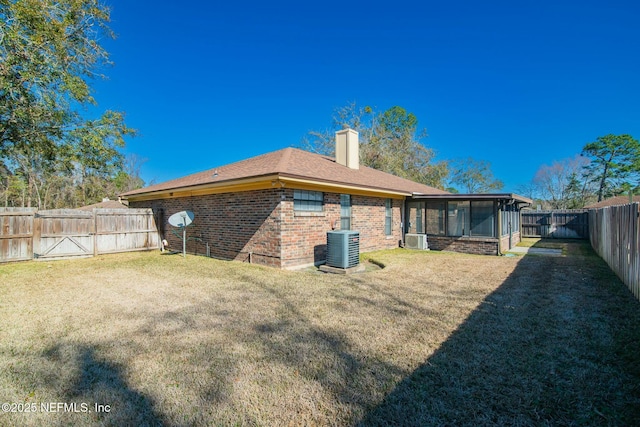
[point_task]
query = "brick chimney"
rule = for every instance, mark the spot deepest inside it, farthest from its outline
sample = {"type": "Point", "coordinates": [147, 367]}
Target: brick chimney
{"type": "Point", "coordinates": [348, 148]}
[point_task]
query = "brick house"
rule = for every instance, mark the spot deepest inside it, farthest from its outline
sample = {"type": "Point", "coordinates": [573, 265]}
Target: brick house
{"type": "Point", "coordinates": [275, 209]}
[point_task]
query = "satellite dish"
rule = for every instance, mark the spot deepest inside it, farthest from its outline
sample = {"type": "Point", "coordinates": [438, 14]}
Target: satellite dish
{"type": "Point", "coordinates": [181, 219]}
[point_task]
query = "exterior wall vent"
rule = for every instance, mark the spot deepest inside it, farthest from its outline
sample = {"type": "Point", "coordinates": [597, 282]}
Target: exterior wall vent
{"type": "Point", "coordinates": [416, 241]}
{"type": "Point", "coordinates": [343, 248]}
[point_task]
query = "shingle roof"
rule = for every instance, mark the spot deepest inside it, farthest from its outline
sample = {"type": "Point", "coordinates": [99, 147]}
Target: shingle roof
{"type": "Point", "coordinates": [613, 201]}
{"type": "Point", "coordinates": [106, 204]}
{"type": "Point", "coordinates": [295, 163]}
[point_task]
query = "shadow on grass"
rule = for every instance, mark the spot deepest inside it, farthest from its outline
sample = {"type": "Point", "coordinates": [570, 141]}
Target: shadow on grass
{"type": "Point", "coordinates": [322, 355]}
{"type": "Point", "coordinates": [96, 389]}
{"type": "Point", "coordinates": [556, 344]}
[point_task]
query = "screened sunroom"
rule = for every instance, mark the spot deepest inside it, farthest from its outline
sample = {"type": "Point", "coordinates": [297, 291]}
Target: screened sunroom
{"type": "Point", "coordinates": [473, 223]}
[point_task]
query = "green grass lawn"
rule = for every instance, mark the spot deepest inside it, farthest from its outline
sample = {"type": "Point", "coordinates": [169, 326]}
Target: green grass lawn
{"type": "Point", "coordinates": [431, 339]}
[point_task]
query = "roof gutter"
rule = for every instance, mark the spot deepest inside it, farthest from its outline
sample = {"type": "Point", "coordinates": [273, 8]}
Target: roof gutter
{"type": "Point", "coordinates": [263, 182]}
{"type": "Point", "coordinates": [203, 189]}
{"type": "Point", "coordinates": [298, 182]}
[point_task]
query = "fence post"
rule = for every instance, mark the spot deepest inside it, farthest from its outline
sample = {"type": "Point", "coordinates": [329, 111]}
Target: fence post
{"type": "Point", "coordinates": [37, 235]}
{"type": "Point", "coordinates": [148, 229]}
{"type": "Point", "coordinates": [95, 232]}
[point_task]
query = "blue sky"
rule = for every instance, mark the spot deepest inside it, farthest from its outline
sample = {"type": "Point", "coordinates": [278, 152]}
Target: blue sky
{"type": "Point", "coordinates": [516, 83]}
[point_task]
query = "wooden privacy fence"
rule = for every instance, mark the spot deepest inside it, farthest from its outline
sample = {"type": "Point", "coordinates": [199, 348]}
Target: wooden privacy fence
{"type": "Point", "coordinates": [26, 233]}
{"type": "Point", "coordinates": [63, 233]}
{"type": "Point", "coordinates": [16, 233]}
{"type": "Point", "coordinates": [615, 236]}
{"type": "Point", "coordinates": [558, 224]}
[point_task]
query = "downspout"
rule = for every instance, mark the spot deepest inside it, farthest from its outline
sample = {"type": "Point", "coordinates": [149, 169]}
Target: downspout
{"type": "Point", "coordinates": [510, 233]}
{"type": "Point", "coordinates": [512, 202]}
{"type": "Point", "coordinates": [500, 229]}
{"type": "Point", "coordinates": [402, 221]}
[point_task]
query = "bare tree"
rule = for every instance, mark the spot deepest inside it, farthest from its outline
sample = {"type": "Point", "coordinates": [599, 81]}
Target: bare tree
{"type": "Point", "coordinates": [389, 141]}
{"type": "Point", "coordinates": [474, 176]}
{"type": "Point", "coordinates": [563, 184]}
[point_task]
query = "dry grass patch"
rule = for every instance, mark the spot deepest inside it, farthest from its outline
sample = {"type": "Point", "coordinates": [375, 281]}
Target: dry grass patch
{"type": "Point", "coordinates": [432, 338]}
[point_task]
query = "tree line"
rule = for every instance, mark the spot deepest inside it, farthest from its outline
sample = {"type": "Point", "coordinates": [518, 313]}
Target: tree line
{"type": "Point", "coordinates": [606, 167]}
{"type": "Point", "coordinates": [53, 156]}
{"type": "Point", "coordinates": [391, 141]}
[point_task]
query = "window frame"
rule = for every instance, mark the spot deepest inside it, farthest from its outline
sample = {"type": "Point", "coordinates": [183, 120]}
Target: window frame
{"type": "Point", "coordinates": [477, 225]}
{"type": "Point", "coordinates": [345, 211]}
{"type": "Point", "coordinates": [461, 208]}
{"type": "Point", "coordinates": [510, 214]}
{"type": "Point", "coordinates": [388, 217]}
{"type": "Point", "coordinates": [308, 201]}
{"type": "Point", "coordinates": [468, 218]}
{"type": "Point", "coordinates": [440, 209]}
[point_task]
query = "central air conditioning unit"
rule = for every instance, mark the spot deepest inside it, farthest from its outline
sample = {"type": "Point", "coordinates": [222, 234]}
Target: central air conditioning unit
{"type": "Point", "coordinates": [416, 241]}
{"type": "Point", "coordinates": [343, 248]}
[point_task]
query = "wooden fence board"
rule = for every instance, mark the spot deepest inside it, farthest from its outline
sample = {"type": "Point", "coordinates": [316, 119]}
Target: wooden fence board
{"type": "Point", "coordinates": [26, 233]}
{"type": "Point", "coordinates": [122, 230]}
{"type": "Point", "coordinates": [615, 236]}
{"type": "Point", "coordinates": [65, 233]}
{"type": "Point", "coordinates": [559, 224]}
{"type": "Point", "coordinates": [16, 234]}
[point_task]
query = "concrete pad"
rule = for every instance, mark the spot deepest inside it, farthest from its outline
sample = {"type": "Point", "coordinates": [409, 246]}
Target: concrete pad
{"type": "Point", "coordinates": [357, 269]}
{"type": "Point", "coordinates": [535, 251]}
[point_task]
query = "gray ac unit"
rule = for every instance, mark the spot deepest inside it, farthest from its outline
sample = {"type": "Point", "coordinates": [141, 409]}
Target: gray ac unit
{"type": "Point", "coordinates": [343, 248]}
{"type": "Point", "coordinates": [416, 241]}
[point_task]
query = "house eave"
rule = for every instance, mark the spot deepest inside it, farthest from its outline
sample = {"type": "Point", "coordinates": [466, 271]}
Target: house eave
{"type": "Point", "coordinates": [265, 182]}
{"type": "Point", "coordinates": [509, 197]}
{"type": "Point", "coordinates": [304, 183]}
{"type": "Point", "coordinates": [244, 184]}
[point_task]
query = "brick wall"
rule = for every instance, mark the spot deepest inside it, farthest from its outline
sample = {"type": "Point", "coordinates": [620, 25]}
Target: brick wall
{"type": "Point", "coordinates": [368, 217]}
{"type": "Point", "coordinates": [263, 223]}
{"type": "Point", "coordinates": [470, 245]}
{"type": "Point", "coordinates": [233, 224]}
{"type": "Point", "coordinates": [304, 234]}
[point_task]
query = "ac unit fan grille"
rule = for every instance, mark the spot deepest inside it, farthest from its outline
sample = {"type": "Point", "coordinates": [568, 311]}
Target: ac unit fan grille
{"type": "Point", "coordinates": [343, 249]}
{"type": "Point", "coordinates": [416, 241]}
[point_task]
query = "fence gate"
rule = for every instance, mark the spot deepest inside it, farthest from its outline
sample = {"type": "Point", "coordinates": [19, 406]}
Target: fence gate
{"type": "Point", "coordinates": [63, 233]}
{"type": "Point", "coordinates": [559, 224]}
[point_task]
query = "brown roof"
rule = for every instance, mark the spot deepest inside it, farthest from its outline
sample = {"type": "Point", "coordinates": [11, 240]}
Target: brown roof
{"type": "Point", "coordinates": [107, 204]}
{"type": "Point", "coordinates": [295, 163]}
{"type": "Point", "coordinates": [613, 201]}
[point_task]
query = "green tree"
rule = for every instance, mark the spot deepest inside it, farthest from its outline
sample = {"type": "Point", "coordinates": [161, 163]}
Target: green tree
{"type": "Point", "coordinates": [49, 53]}
{"type": "Point", "coordinates": [390, 141]}
{"type": "Point", "coordinates": [474, 176]}
{"type": "Point", "coordinates": [615, 163]}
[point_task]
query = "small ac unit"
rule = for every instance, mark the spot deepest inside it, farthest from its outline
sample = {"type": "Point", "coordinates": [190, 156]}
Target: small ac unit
{"type": "Point", "coordinates": [416, 241]}
{"type": "Point", "coordinates": [343, 248]}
